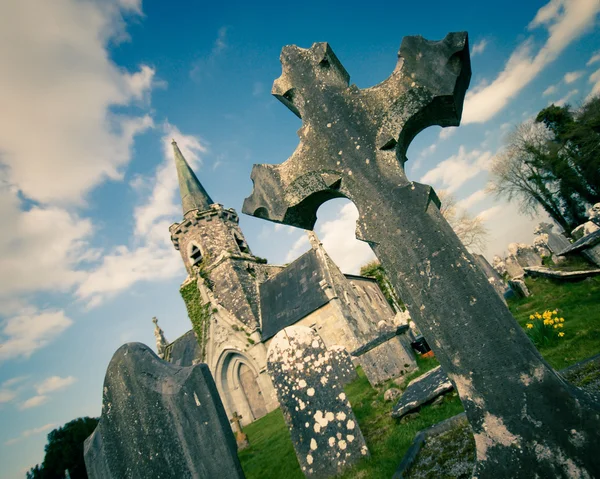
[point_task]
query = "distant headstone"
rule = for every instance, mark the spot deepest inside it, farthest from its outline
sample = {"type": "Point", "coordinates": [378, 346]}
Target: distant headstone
{"type": "Point", "coordinates": [525, 254]}
{"type": "Point", "coordinates": [342, 364]}
{"type": "Point", "coordinates": [421, 390]}
{"type": "Point", "coordinates": [240, 437]}
{"type": "Point", "coordinates": [512, 267]}
{"type": "Point", "coordinates": [160, 420]}
{"type": "Point", "coordinates": [555, 242]}
{"type": "Point", "coordinates": [324, 430]}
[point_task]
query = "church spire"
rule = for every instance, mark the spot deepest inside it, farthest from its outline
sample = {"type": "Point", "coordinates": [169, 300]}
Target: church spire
{"type": "Point", "coordinates": [193, 194]}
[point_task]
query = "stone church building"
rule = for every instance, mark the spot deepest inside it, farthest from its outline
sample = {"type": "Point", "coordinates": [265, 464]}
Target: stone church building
{"type": "Point", "coordinates": [237, 303]}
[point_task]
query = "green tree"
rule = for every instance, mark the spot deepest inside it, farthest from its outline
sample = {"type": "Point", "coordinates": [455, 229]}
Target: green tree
{"type": "Point", "coordinates": [576, 144]}
{"type": "Point", "coordinates": [64, 451]}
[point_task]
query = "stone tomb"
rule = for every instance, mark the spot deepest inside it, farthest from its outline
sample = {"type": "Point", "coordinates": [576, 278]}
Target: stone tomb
{"type": "Point", "coordinates": [323, 428]}
{"type": "Point", "coordinates": [160, 420]}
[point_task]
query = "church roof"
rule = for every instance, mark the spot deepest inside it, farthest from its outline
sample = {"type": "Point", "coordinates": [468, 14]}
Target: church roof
{"type": "Point", "coordinates": [193, 194]}
{"type": "Point", "coordinates": [292, 294]}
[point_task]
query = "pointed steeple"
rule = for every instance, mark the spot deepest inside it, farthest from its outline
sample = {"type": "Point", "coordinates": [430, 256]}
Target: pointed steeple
{"type": "Point", "coordinates": [193, 194]}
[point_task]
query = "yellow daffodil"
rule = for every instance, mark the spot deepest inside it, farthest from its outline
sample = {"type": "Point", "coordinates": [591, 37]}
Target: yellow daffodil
{"type": "Point", "coordinates": [531, 316]}
{"type": "Point", "coordinates": [560, 325]}
{"type": "Point", "coordinates": [555, 326]}
{"type": "Point", "coordinates": [529, 326]}
{"type": "Point", "coordinates": [560, 335]}
{"type": "Point", "coordinates": [562, 320]}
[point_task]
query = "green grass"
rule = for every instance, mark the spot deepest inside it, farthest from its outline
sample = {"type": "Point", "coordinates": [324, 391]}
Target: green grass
{"type": "Point", "coordinates": [579, 303]}
{"type": "Point", "coordinates": [271, 454]}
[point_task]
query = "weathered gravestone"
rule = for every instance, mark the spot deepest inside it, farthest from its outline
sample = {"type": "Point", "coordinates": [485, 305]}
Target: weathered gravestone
{"type": "Point", "coordinates": [342, 364]}
{"type": "Point", "coordinates": [555, 242]}
{"type": "Point", "coordinates": [527, 421]}
{"type": "Point", "coordinates": [160, 420]}
{"type": "Point", "coordinates": [324, 430]}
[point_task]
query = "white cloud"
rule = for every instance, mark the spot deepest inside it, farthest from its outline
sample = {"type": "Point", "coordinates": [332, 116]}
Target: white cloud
{"type": "Point", "coordinates": [202, 66]}
{"type": "Point", "coordinates": [153, 258]}
{"type": "Point", "coordinates": [339, 240]}
{"type": "Point", "coordinates": [472, 199]}
{"type": "Point", "coordinates": [450, 174]}
{"type": "Point", "coordinates": [566, 98]}
{"type": "Point", "coordinates": [24, 334]}
{"type": "Point", "coordinates": [14, 381]}
{"type": "Point", "coordinates": [447, 132]}
{"type": "Point", "coordinates": [550, 90]}
{"type": "Point", "coordinates": [40, 248]}
{"type": "Point", "coordinates": [573, 76]}
{"type": "Point", "coordinates": [565, 20]}
{"type": "Point", "coordinates": [594, 59]}
{"type": "Point", "coordinates": [478, 47]}
{"type": "Point", "coordinates": [7, 393]}
{"type": "Point", "coordinates": [300, 246]}
{"type": "Point", "coordinates": [34, 401]}
{"type": "Point", "coordinates": [257, 89]}
{"type": "Point", "coordinates": [595, 80]}
{"type": "Point", "coordinates": [28, 433]}
{"type": "Point", "coordinates": [429, 150]}
{"type": "Point", "coordinates": [54, 383]}
{"type": "Point", "coordinates": [57, 89]}
{"type": "Point", "coordinates": [506, 224]}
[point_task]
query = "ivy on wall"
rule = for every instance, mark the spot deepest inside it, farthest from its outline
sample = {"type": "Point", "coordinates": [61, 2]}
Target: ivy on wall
{"type": "Point", "coordinates": [198, 312]}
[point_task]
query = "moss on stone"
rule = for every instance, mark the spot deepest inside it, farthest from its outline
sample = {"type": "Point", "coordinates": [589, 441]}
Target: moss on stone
{"type": "Point", "coordinates": [198, 312]}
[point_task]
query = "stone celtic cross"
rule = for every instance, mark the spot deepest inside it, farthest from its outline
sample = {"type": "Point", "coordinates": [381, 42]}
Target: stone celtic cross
{"type": "Point", "coordinates": [526, 419]}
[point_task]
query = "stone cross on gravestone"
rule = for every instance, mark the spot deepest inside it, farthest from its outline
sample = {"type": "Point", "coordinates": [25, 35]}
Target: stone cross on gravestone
{"type": "Point", "coordinates": [526, 419]}
{"type": "Point", "coordinates": [240, 437]}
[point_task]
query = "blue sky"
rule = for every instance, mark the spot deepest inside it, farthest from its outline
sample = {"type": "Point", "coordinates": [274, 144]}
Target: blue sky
{"type": "Point", "coordinates": [92, 92]}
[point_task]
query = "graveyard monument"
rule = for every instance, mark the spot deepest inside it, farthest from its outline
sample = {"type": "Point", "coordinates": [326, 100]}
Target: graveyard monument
{"type": "Point", "coordinates": [527, 421]}
{"type": "Point", "coordinates": [324, 431]}
{"type": "Point", "coordinates": [160, 420]}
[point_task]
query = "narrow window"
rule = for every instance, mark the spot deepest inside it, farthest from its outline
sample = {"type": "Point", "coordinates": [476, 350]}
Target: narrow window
{"type": "Point", "coordinates": [195, 255]}
{"type": "Point", "coordinates": [241, 244]}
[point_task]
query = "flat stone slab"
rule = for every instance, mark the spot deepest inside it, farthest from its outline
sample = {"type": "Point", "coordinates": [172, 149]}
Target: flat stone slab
{"type": "Point", "coordinates": [422, 390]}
{"type": "Point", "coordinates": [564, 275]}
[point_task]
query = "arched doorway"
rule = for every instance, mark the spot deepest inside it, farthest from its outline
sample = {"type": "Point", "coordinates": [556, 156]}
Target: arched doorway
{"type": "Point", "coordinates": [239, 386]}
{"type": "Point", "coordinates": [249, 384]}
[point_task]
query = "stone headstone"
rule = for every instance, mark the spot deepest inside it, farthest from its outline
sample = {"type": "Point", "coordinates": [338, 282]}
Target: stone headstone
{"type": "Point", "coordinates": [353, 144]}
{"type": "Point", "coordinates": [519, 287]}
{"type": "Point", "coordinates": [422, 390]}
{"type": "Point", "coordinates": [513, 268]}
{"type": "Point", "coordinates": [342, 364]}
{"type": "Point", "coordinates": [555, 242]}
{"type": "Point", "coordinates": [324, 430]}
{"type": "Point", "coordinates": [524, 254]}
{"type": "Point", "coordinates": [160, 420]}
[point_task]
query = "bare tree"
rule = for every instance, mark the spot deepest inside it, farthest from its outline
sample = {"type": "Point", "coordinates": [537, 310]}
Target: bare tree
{"type": "Point", "coordinates": [468, 228]}
{"type": "Point", "coordinates": [516, 174]}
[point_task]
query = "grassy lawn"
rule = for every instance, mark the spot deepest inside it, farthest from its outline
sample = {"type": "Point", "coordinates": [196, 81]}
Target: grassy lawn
{"type": "Point", "coordinates": [579, 303]}
{"type": "Point", "coordinates": [271, 454]}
